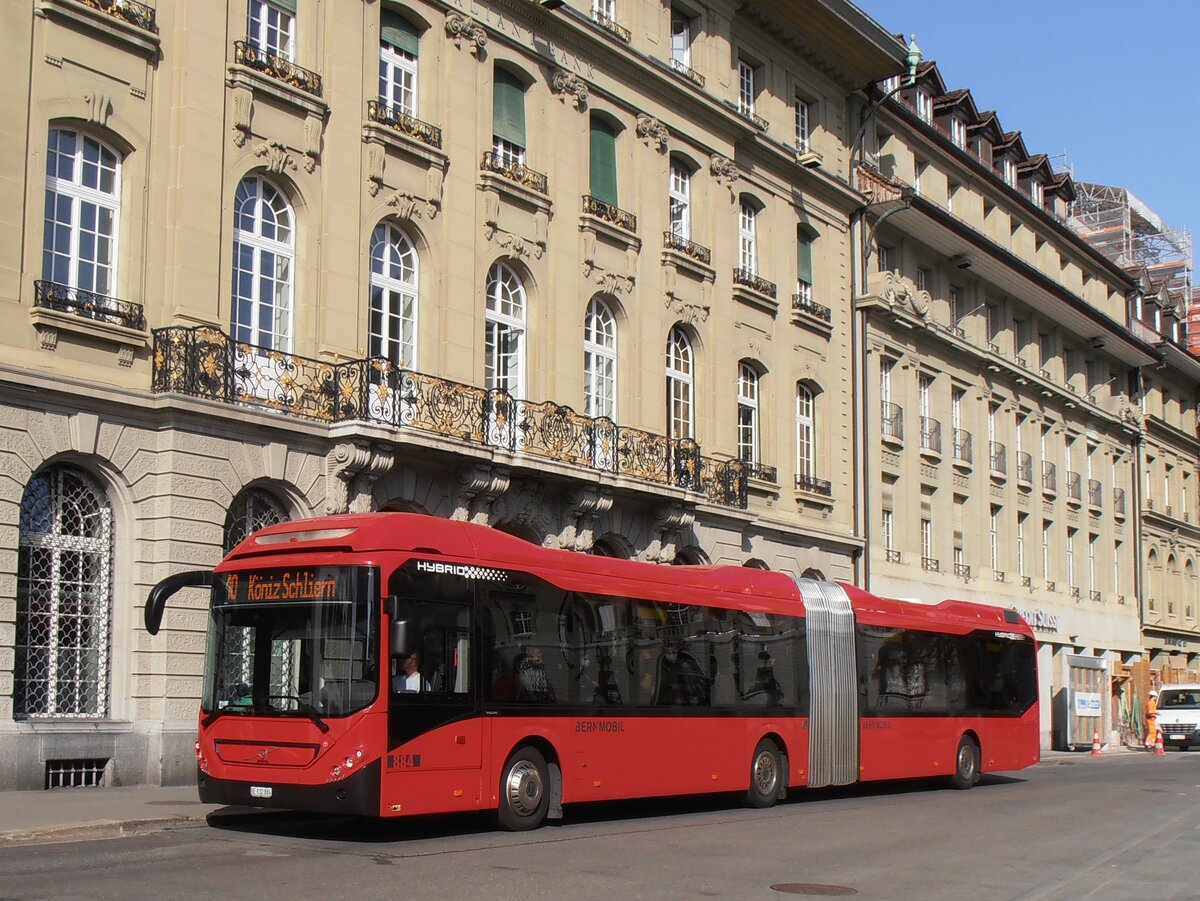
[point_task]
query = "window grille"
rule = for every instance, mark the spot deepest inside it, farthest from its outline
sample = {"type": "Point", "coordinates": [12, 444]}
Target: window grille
{"type": "Point", "coordinates": [85, 773]}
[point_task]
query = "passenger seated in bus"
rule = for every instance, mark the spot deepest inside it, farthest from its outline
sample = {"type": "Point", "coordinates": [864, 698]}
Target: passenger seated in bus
{"type": "Point", "coordinates": [680, 678]}
{"type": "Point", "coordinates": [409, 679]}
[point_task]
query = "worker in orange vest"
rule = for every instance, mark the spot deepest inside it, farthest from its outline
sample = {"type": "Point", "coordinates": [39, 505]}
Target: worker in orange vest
{"type": "Point", "coordinates": [1152, 719]}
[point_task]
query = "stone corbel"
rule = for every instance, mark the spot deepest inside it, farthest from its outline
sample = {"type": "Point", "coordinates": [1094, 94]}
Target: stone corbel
{"type": "Point", "coordinates": [243, 110]}
{"type": "Point", "coordinates": [653, 133]}
{"type": "Point", "coordinates": [584, 506]}
{"type": "Point", "coordinates": [670, 520]}
{"type": "Point", "coordinates": [410, 206]}
{"type": "Point", "coordinates": [375, 158]}
{"type": "Point", "coordinates": [569, 85]}
{"type": "Point", "coordinates": [724, 170]}
{"type": "Point", "coordinates": [99, 107]}
{"type": "Point", "coordinates": [688, 312]}
{"type": "Point", "coordinates": [464, 30]}
{"type": "Point", "coordinates": [523, 504]}
{"type": "Point", "coordinates": [351, 469]}
{"type": "Point", "coordinates": [277, 158]}
{"type": "Point", "coordinates": [312, 143]}
{"type": "Point", "coordinates": [479, 486]}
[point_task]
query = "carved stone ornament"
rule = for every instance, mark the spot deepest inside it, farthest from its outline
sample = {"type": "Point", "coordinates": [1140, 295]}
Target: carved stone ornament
{"type": "Point", "coordinates": [312, 143]}
{"type": "Point", "coordinates": [514, 244]}
{"type": "Point", "coordinates": [567, 84]}
{"type": "Point", "coordinates": [99, 107]}
{"type": "Point", "coordinates": [375, 157]}
{"type": "Point", "coordinates": [690, 313]}
{"type": "Point", "coordinates": [1133, 417]}
{"type": "Point", "coordinates": [351, 468]}
{"type": "Point", "coordinates": [652, 132]}
{"type": "Point", "coordinates": [584, 507]}
{"type": "Point", "coordinates": [724, 169]}
{"type": "Point", "coordinates": [276, 155]}
{"type": "Point", "coordinates": [669, 520]}
{"type": "Point", "coordinates": [462, 29]}
{"type": "Point", "coordinates": [897, 291]}
{"type": "Point", "coordinates": [243, 109]}
{"type": "Point", "coordinates": [410, 206]}
{"type": "Point", "coordinates": [479, 485]}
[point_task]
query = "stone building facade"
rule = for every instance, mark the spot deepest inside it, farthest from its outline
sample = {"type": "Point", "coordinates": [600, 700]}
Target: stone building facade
{"type": "Point", "coordinates": [579, 274]}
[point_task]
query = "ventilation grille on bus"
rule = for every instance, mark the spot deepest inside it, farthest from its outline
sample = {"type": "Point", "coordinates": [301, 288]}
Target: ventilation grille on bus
{"type": "Point", "coordinates": [86, 773]}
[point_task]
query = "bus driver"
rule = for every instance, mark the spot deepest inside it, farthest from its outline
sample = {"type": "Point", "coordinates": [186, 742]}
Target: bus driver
{"type": "Point", "coordinates": [409, 679]}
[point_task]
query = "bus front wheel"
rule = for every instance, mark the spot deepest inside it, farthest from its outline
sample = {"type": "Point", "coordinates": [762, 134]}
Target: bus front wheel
{"type": "Point", "coordinates": [966, 764]}
{"type": "Point", "coordinates": [524, 791]}
{"type": "Point", "coordinates": [766, 775]}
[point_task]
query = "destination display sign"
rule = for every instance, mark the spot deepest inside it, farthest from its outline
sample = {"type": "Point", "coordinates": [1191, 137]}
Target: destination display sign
{"type": "Point", "coordinates": [301, 583]}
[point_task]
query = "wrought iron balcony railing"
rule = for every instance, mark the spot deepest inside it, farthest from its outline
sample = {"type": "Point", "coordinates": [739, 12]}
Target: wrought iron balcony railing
{"type": "Point", "coordinates": [247, 54]}
{"type": "Point", "coordinates": [697, 252]}
{"type": "Point", "coordinates": [748, 279]}
{"type": "Point", "coordinates": [892, 556]}
{"type": "Point", "coordinates": [687, 72]}
{"type": "Point", "coordinates": [594, 206]}
{"type": "Point", "coordinates": [134, 13]}
{"type": "Point", "coordinates": [88, 305]}
{"type": "Point", "coordinates": [802, 302]}
{"type": "Point", "coordinates": [998, 456]}
{"type": "Point", "coordinates": [931, 435]}
{"type": "Point", "coordinates": [204, 362]}
{"type": "Point", "coordinates": [1074, 489]}
{"type": "Point", "coordinates": [1051, 586]}
{"type": "Point", "coordinates": [1049, 478]}
{"type": "Point", "coordinates": [611, 26]}
{"type": "Point", "coordinates": [761, 471]}
{"type": "Point", "coordinates": [931, 564]}
{"type": "Point", "coordinates": [1119, 501]}
{"type": "Point", "coordinates": [813, 485]}
{"type": "Point", "coordinates": [403, 122]}
{"type": "Point", "coordinates": [1024, 468]}
{"type": "Point", "coordinates": [1075, 592]}
{"type": "Point", "coordinates": [963, 571]}
{"type": "Point", "coordinates": [1027, 582]}
{"type": "Point", "coordinates": [517, 172]}
{"type": "Point", "coordinates": [1095, 494]}
{"type": "Point", "coordinates": [1094, 595]}
{"type": "Point", "coordinates": [999, 575]}
{"type": "Point", "coordinates": [893, 421]}
{"type": "Point", "coordinates": [962, 446]}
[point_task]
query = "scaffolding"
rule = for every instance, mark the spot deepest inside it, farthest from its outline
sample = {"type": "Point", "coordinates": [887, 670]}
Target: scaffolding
{"type": "Point", "coordinates": [1120, 226]}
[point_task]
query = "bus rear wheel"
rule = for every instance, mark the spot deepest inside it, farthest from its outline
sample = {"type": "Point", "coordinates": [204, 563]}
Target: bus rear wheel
{"type": "Point", "coordinates": [966, 764]}
{"type": "Point", "coordinates": [766, 775]}
{"type": "Point", "coordinates": [524, 796]}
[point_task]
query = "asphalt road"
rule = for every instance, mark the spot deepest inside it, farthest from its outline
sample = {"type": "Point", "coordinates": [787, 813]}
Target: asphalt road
{"type": "Point", "coordinates": [1124, 826]}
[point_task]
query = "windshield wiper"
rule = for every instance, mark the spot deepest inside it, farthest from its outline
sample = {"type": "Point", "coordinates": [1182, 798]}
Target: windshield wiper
{"type": "Point", "coordinates": [313, 714]}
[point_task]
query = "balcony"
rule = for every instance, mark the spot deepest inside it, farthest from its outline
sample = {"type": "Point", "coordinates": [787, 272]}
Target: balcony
{"type": "Point", "coordinates": [962, 447]}
{"type": "Point", "coordinates": [998, 458]}
{"type": "Point", "coordinates": [1024, 469]}
{"type": "Point", "coordinates": [892, 425]}
{"type": "Point", "coordinates": [276, 67]}
{"type": "Point", "coordinates": [748, 279]}
{"type": "Point", "coordinates": [1051, 586]}
{"type": "Point", "coordinates": [594, 206]}
{"type": "Point", "coordinates": [761, 471]}
{"type": "Point", "coordinates": [137, 14]}
{"type": "Point", "coordinates": [1027, 582]}
{"type": "Point", "coordinates": [746, 112]}
{"type": "Point", "coordinates": [404, 123]}
{"type": "Point", "coordinates": [999, 575]}
{"type": "Point", "coordinates": [611, 26]}
{"type": "Point", "coordinates": [1075, 595]}
{"type": "Point", "coordinates": [1094, 595]}
{"type": "Point", "coordinates": [515, 171]}
{"type": "Point", "coordinates": [802, 302]}
{"type": "Point", "coordinates": [1119, 502]}
{"type": "Point", "coordinates": [963, 571]}
{"type": "Point", "coordinates": [1095, 495]}
{"type": "Point", "coordinates": [88, 305]}
{"type": "Point", "coordinates": [931, 436]}
{"type": "Point", "coordinates": [697, 252]}
{"type": "Point", "coordinates": [687, 72]}
{"type": "Point", "coordinates": [1074, 489]}
{"type": "Point", "coordinates": [205, 363]}
{"type": "Point", "coordinates": [892, 556]}
{"type": "Point", "coordinates": [813, 485]}
{"type": "Point", "coordinates": [1049, 479]}
{"type": "Point", "coordinates": [930, 564]}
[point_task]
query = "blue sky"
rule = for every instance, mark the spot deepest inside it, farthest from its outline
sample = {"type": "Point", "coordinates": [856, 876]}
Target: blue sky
{"type": "Point", "coordinates": [1114, 84]}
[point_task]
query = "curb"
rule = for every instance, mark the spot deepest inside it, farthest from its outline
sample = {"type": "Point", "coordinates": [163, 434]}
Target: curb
{"type": "Point", "coordinates": [97, 830]}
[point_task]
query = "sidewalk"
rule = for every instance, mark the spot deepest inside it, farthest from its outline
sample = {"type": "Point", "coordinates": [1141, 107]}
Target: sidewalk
{"type": "Point", "coordinates": [82, 813]}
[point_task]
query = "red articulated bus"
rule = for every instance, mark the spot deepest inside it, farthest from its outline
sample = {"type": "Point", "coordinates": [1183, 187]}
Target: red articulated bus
{"type": "Point", "coordinates": [391, 663]}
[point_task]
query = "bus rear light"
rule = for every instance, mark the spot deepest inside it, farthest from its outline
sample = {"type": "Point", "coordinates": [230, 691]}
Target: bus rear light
{"type": "Point", "coordinates": [458, 793]}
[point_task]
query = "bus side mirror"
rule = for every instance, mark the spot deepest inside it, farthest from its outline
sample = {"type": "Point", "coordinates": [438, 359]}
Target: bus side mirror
{"type": "Point", "coordinates": [162, 592]}
{"type": "Point", "coordinates": [398, 635]}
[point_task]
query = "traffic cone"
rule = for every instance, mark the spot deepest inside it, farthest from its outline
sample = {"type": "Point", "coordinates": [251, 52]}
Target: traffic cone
{"type": "Point", "coordinates": [1158, 745]}
{"type": "Point", "coordinates": [1095, 744]}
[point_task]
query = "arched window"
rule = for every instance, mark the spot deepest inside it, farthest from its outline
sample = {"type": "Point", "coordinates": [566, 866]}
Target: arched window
{"type": "Point", "coordinates": [83, 185]}
{"type": "Point", "coordinates": [679, 194]}
{"type": "Point", "coordinates": [599, 360]}
{"type": "Point", "coordinates": [603, 160]}
{"type": "Point", "coordinates": [263, 263]}
{"type": "Point", "coordinates": [747, 407]}
{"type": "Point", "coordinates": [251, 510]}
{"type": "Point", "coordinates": [270, 26]}
{"type": "Point", "coordinates": [64, 595]}
{"type": "Point", "coordinates": [748, 237]}
{"type": "Point", "coordinates": [393, 324]}
{"type": "Point", "coordinates": [806, 455]}
{"type": "Point", "coordinates": [398, 44]}
{"type": "Point", "coordinates": [680, 415]}
{"type": "Point", "coordinates": [504, 342]}
{"type": "Point", "coordinates": [508, 118]}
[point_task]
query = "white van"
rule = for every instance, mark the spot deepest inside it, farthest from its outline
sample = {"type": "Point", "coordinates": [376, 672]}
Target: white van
{"type": "Point", "coordinates": [1179, 715]}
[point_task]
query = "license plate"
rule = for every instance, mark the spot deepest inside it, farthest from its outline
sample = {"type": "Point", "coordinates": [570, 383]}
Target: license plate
{"type": "Point", "coordinates": [1177, 737]}
{"type": "Point", "coordinates": [260, 791]}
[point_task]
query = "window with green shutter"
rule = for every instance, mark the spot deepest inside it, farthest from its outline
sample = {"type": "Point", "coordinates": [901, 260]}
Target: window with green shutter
{"type": "Point", "coordinates": [603, 161]}
{"type": "Point", "coordinates": [804, 257]}
{"type": "Point", "coordinates": [508, 108]}
{"type": "Point", "coordinates": [396, 31]}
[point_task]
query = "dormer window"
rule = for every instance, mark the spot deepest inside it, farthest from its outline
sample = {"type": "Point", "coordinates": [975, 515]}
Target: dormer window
{"type": "Point", "coordinates": [958, 132]}
{"type": "Point", "coordinates": [1008, 169]}
{"type": "Point", "coordinates": [1037, 193]}
{"type": "Point", "coordinates": [924, 105]}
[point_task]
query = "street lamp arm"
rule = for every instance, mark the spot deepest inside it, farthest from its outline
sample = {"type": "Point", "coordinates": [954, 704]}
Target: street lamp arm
{"type": "Point", "coordinates": [914, 61]}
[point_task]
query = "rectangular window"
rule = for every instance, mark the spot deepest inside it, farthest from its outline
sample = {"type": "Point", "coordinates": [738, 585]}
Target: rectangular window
{"type": "Point", "coordinates": [398, 43]}
{"type": "Point", "coordinates": [1092, 539]}
{"type": "Point", "coordinates": [679, 193]}
{"type": "Point", "coordinates": [747, 404]}
{"type": "Point", "coordinates": [886, 257]}
{"type": "Point", "coordinates": [956, 399]}
{"type": "Point", "coordinates": [951, 191]}
{"type": "Point", "coordinates": [1009, 171]}
{"type": "Point", "coordinates": [924, 384]}
{"type": "Point", "coordinates": [804, 273]}
{"type": "Point", "coordinates": [927, 538]}
{"type": "Point", "coordinates": [603, 161]}
{"type": "Point", "coordinates": [1037, 193]}
{"type": "Point", "coordinates": [918, 172]}
{"type": "Point", "coordinates": [746, 92]}
{"type": "Point", "coordinates": [994, 536]}
{"type": "Point", "coordinates": [802, 125]}
{"type": "Point", "coordinates": [604, 9]}
{"type": "Point", "coordinates": [806, 454]}
{"type": "Point", "coordinates": [747, 239]}
{"type": "Point", "coordinates": [958, 132]}
{"type": "Point", "coordinates": [681, 38]}
{"type": "Point", "coordinates": [889, 534]}
{"type": "Point", "coordinates": [270, 27]}
{"type": "Point", "coordinates": [508, 118]}
{"type": "Point", "coordinates": [924, 106]}
{"type": "Point", "coordinates": [1021, 518]}
{"type": "Point", "coordinates": [1071, 557]}
{"type": "Point", "coordinates": [1047, 527]}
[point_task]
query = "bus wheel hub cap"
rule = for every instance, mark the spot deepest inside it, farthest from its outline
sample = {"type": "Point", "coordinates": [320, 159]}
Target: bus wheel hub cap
{"type": "Point", "coordinates": [524, 788]}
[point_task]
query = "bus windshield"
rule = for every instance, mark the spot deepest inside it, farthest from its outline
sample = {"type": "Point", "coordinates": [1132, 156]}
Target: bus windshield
{"type": "Point", "coordinates": [296, 642]}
